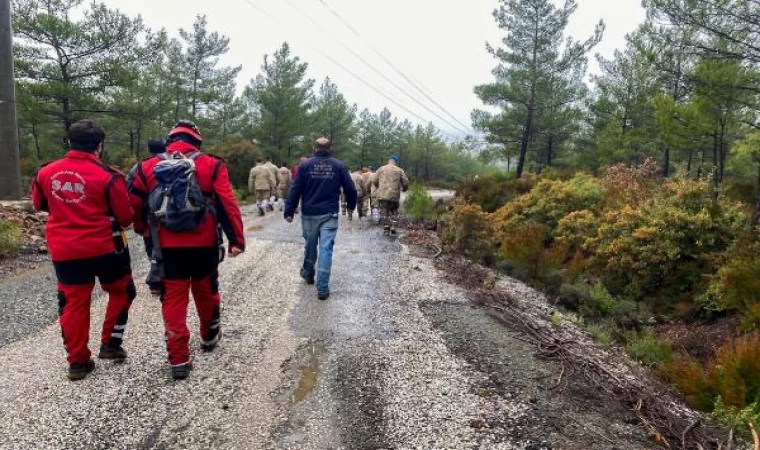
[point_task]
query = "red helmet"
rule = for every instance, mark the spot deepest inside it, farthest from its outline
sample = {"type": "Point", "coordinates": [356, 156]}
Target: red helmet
{"type": "Point", "coordinates": [186, 127]}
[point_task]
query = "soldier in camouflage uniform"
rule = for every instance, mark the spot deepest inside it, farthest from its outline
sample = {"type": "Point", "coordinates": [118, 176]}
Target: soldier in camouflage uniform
{"type": "Point", "coordinates": [276, 173]}
{"type": "Point", "coordinates": [262, 182]}
{"type": "Point", "coordinates": [389, 181]}
{"type": "Point", "coordinates": [284, 178]}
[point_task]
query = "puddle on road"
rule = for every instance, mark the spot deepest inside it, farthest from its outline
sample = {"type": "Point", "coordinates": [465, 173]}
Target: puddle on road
{"type": "Point", "coordinates": [310, 371]}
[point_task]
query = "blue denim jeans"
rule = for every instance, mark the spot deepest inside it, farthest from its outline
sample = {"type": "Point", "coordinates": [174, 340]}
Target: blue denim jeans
{"type": "Point", "coordinates": [319, 232]}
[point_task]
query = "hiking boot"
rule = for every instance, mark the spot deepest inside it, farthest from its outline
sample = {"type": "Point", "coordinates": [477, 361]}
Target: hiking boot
{"type": "Point", "coordinates": [350, 216]}
{"type": "Point", "coordinates": [210, 346]}
{"type": "Point", "coordinates": [262, 212]}
{"type": "Point", "coordinates": [309, 280]}
{"type": "Point", "coordinates": [323, 295]}
{"type": "Point", "coordinates": [108, 351]}
{"type": "Point", "coordinates": [80, 371]}
{"type": "Point", "coordinates": [182, 371]}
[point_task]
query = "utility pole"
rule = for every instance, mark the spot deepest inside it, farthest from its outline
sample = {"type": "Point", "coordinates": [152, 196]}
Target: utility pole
{"type": "Point", "coordinates": [10, 168]}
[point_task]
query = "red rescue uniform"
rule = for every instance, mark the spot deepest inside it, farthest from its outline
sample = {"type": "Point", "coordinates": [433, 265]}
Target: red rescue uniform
{"type": "Point", "coordinates": [191, 258]}
{"type": "Point", "coordinates": [89, 208]}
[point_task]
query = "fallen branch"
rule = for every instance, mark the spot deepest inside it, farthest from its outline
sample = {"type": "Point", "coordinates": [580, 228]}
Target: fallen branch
{"type": "Point", "coordinates": [755, 437]}
{"type": "Point", "coordinates": [686, 433]}
{"type": "Point", "coordinates": [559, 379]}
{"type": "Point", "coordinates": [656, 435]}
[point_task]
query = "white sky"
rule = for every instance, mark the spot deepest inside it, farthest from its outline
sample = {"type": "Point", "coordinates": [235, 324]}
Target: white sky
{"type": "Point", "coordinates": [440, 43]}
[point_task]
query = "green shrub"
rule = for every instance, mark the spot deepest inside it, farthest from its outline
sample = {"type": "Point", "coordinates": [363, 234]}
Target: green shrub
{"type": "Point", "coordinates": [736, 286]}
{"type": "Point", "coordinates": [10, 239]}
{"type": "Point", "coordinates": [601, 302]}
{"type": "Point", "coordinates": [602, 332]}
{"type": "Point", "coordinates": [646, 348]}
{"type": "Point", "coordinates": [240, 157]}
{"type": "Point", "coordinates": [419, 204]}
{"type": "Point", "coordinates": [737, 417]}
{"type": "Point", "coordinates": [573, 296]}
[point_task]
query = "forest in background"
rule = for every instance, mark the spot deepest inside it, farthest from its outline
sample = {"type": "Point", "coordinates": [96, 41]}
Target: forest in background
{"type": "Point", "coordinates": [83, 60]}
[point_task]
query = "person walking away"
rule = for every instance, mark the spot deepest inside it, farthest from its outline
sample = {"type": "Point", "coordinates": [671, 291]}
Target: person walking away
{"type": "Point", "coordinates": [156, 146]}
{"type": "Point", "coordinates": [390, 180]}
{"type": "Point", "coordinates": [188, 236]}
{"type": "Point", "coordinates": [371, 193]}
{"type": "Point", "coordinates": [276, 174]}
{"type": "Point", "coordinates": [283, 185]}
{"type": "Point", "coordinates": [89, 210]}
{"type": "Point", "coordinates": [318, 186]}
{"type": "Point", "coordinates": [361, 199]}
{"type": "Point", "coordinates": [263, 183]}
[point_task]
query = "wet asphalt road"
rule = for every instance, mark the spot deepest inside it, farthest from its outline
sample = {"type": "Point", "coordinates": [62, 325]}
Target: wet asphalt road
{"type": "Point", "coordinates": [395, 359]}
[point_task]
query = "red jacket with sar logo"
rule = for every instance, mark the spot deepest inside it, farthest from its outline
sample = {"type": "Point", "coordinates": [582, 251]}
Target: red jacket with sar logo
{"type": "Point", "coordinates": [88, 205]}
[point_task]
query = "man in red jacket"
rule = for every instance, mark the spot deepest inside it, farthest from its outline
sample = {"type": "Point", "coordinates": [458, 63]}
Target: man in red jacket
{"type": "Point", "coordinates": [190, 259]}
{"type": "Point", "coordinates": [89, 209]}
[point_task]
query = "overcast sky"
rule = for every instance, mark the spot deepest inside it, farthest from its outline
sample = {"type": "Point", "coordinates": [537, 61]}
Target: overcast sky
{"type": "Point", "coordinates": [438, 43]}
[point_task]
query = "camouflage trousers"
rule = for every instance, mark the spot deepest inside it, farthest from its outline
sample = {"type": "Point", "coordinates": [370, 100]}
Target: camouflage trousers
{"type": "Point", "coordinates": [362, 205]}
{"type": "Point", "coordinates": [389, 213]}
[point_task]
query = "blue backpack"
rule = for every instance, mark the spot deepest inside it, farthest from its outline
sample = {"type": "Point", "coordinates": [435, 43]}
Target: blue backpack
{"type": "Point", "coordinates": [177, 202]}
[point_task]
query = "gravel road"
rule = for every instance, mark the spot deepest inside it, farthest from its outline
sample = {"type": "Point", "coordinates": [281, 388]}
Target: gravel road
{"type": "Point", "coordinates": [396, 359]}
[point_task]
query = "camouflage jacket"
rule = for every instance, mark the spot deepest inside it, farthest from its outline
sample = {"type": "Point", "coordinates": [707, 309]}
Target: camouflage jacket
{"type": "Point", "coordinates": [261, 179]}
{"type": "Point", "coordinates": [390, 181]}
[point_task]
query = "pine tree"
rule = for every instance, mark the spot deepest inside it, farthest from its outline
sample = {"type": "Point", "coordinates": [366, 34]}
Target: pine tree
{"type": "Point", "coordinates": [69, 64]}
{"type": "Point", "coordinates": [538, 69]}
{"type": "Point", "coordinates": [334, 118]}
{"type": "Point", "coordinates": [284, 97]}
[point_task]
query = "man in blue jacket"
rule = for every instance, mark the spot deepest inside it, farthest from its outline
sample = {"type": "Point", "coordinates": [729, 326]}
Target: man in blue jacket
{"type": "Point", "coordinates": [317, 185]}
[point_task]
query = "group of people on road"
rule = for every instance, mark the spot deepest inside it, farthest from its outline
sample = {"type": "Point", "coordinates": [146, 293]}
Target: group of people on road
{"type": "Point", "coordinates": [180, 200]}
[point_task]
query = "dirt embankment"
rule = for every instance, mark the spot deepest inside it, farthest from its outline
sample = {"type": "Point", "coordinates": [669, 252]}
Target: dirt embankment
{"type": "Point", "coordinates": [33, 250]}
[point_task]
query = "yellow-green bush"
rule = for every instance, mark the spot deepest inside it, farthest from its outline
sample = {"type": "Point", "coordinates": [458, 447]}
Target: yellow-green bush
{"type": "Point", "coordinates": [10, 239]}
{"type": "Point", "coordinates": [549, 202]}
{"type": "Point", "coordinates": [468, 232]}
{"type": "Point", "coordinates": [661, 251]}
{"type": "Point", "coordinates": [576, 228]}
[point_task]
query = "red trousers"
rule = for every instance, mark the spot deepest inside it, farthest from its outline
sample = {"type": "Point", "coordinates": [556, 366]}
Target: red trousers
{"type": "Point", "coordinates": [76, 281]}
{"type": "Point", "coordinates": [189, 270]}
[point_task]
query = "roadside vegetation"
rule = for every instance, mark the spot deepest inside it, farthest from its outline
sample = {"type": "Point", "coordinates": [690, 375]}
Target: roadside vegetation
{"type": "Point", "coordinates": [10, 239]}
{"type": "Point", "coordinates": [631, 252]}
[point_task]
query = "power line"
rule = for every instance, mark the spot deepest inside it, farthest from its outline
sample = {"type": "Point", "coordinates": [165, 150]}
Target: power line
{"type": "Point", "coordinates": [409, 79]}
{"type": "Point", "coordinates": [373, 68]}
{"type": "Point", "coordinates": [347, 70]}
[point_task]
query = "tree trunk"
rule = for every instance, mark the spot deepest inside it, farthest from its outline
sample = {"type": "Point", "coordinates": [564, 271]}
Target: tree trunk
{"type": "Point", "coordinates": [756, 213]}
{"type": "Point", "coordinates": [666, 168]}
{"type": "Point", "coordinates": [549, 150]}
{"type": "Point", "coordinates": [688, 166]}
{"type": "Point", "coordinates": [36, 142]}
{"type": "Point", "coordinates": [525, 140]}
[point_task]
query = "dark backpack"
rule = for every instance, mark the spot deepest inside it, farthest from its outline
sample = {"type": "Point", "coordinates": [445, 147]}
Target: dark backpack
{"type": "Point", "coordinates": [177, 202]}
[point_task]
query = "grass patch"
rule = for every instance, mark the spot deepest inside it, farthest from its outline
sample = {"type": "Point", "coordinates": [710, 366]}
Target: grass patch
{"type": "Point", "coordinates": [10, 239]}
